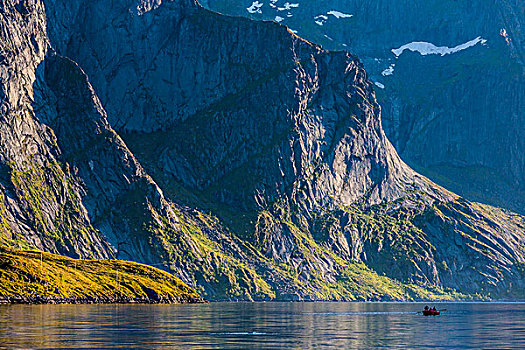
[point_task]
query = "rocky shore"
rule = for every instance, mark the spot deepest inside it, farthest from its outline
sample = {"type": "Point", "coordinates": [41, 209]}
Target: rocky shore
{"type": "Point", "coordinates": [39, 299]}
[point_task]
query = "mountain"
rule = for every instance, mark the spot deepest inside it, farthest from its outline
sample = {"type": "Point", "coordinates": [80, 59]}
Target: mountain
{"type": "Point", "coordinates": [450, 77]}
{"type": "Point", "coordinates": [247, 161]}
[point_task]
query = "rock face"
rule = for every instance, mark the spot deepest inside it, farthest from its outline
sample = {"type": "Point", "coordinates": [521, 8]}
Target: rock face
{"type": "Point", "coordinates": [456, 116]}
{"type": "Point", "coordinates": [275, 142]}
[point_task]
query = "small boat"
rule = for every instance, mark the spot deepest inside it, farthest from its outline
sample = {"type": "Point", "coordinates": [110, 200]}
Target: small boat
{"type": "Point", "coordinates": [430, 312]}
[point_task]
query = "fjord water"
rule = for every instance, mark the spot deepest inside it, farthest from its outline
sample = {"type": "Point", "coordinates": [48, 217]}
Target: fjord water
{"type": "Point", "coordinates": [263, 326]}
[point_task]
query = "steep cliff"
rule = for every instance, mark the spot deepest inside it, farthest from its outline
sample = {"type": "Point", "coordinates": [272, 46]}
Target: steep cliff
{"type": "Point", "coordinates": [277, 140]}
{"type": "Point", "coordinates": [450, 76]}
{"type": "Point", "coordinates": [71, 186]}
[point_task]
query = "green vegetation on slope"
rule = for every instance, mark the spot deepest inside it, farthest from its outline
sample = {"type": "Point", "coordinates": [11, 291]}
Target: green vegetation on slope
{"type": "Point", "coordinates": [34, 274]}
{"type": "Point", "coordinates": [353, 280]}
{"type": "Point", "coordinates": [48, 196]}
{"type": "Point", "coordinates": [223, 268]}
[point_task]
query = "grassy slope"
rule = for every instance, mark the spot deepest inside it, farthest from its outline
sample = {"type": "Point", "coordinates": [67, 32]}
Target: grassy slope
{"type": "Point", "coordinates": [49, 197]}
{"type": "Point", "coordinates": [355, 280]}
{"type": "Point", "coordinates": [21, 274]}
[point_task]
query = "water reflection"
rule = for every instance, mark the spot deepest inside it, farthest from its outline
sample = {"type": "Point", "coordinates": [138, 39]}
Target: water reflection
{"type": "Point", "coordinates": [263, 326]}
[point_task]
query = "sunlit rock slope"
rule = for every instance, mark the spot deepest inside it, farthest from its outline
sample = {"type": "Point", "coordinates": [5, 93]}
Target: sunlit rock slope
{"type": "Point", "coordinates": [250, 163]}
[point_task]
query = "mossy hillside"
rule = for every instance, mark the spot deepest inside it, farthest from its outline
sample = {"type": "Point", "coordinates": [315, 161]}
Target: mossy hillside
{"type": "Point", "coordinates": [185, 242]}
{"type": "Point", "coordinates": [50, 197]}
{"type": "Point", "coordinates": [490, 237]}
{"type": "Point", "coordinates": [32, 273]}
{"type": "Point", "coordinates": [217, 270]}
{"type": "Point", "coordinates": [410, 241]}
{"type": "Point", "coordinates": [512, 220]}
{"type": "Point", "coordinates": [395, 236]}
{"type": "Point", "coordinates": [358, 282]}
{"type": "Point", "coordinates": [6, 234]}
{"type": "Point", "coordinates": [409, 247]}
{"type": "Point", "coordinates": [354, 280]}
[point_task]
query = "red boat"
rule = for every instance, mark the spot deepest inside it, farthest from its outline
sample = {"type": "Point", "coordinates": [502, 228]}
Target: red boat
{"type": "Point", "coordinates": [430, 312]}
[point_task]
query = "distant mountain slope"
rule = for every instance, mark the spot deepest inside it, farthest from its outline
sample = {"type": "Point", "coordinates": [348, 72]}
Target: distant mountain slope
{"type": "Point", "coordinates": [257, 167]}
{"type": "Point", "coordinates": [450, 76]}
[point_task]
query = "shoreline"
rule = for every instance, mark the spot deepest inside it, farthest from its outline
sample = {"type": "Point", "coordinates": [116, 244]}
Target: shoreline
{"type": "Point", "coordinates": [41, 300]}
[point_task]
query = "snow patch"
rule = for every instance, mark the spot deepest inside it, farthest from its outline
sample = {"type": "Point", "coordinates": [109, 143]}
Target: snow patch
{"type": "Point", "coordinates": [272, 3]}
{"type": "Point", "coordinates": [287, 6]}
{"type": "Point", "coordinates": [320, 19]}
{"type": "Point", "coordinates": [338, 14]}
{"type": "Point", "coordinates": [389, 70]}
{"type": "Point", "coordinates": [326, 36]}
{"type": "Point", "coordinates": [289, 14]}
{"type": "Point", "coordinates": [425, 48]}
{"type": "Point", "coordinates": [278, 19]}
{"type": "Point", "coordinates": [379, 85]}
{"type": "Point", "coordinates": [255, 7]}
{"type": "Point", "coordinates": [293, 31]}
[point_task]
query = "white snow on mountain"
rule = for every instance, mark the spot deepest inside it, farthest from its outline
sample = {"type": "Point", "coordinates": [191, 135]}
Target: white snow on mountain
{"type": "Point", "coordinates": [255, 7]}
{"type": "Point", "coordinates": [425, 48]}
{"type": "Point", "coordinates": [379, 85]}
{"type": "Point", "coordinates": [389, 70]}
{"type": "Point", "coordinates": [320, 19]}
{"type": "Point", "coordinates": [278, 19]}
{"type": "Point", "coordinates": [338, 14]}
{"type": "Point", "coordinates": [287, 6]}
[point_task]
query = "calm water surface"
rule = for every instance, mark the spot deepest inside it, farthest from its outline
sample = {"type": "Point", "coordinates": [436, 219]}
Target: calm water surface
{"type": "Point", "coordinates": [263, 326]}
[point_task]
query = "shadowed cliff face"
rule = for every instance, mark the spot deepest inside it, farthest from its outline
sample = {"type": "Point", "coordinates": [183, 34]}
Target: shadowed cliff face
{"type": "Point", "coordinates": [40, 200]}
{"type": "Point", "coordinates": [276, 137]}
{"type": "Point", "coordinates": [455, 116]}
{"type": "Point", "coordinates": [209, 95]}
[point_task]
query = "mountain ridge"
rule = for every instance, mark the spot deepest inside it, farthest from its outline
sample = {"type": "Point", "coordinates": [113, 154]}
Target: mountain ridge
{"type": "Point", "coordinates": [456, 118]}
{"type": "Point", "coordinates": [311, 198]}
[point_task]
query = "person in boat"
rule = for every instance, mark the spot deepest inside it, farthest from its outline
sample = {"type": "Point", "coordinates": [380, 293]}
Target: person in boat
{"type": "Point", "coordinates": [426, 307]}
{"type": "Point", "coordinates": [434, 309]}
